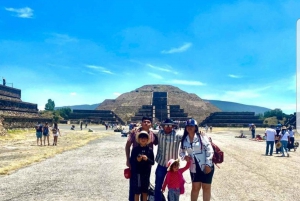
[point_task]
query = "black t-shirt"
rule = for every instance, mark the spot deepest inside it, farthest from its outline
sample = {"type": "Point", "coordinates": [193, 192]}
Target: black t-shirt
{"type": "Point", "coordinates": [143, 166]}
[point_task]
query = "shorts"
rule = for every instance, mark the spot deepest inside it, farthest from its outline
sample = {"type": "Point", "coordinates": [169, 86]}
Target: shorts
{"type": "Point", "coordinates": [45, 134]}
{"type": "Point", "coordinates": [140, 183]}
{"type": "Point", "coordinates": [39, 134]}
{"type": "Point", "coordinates": [200, 176]}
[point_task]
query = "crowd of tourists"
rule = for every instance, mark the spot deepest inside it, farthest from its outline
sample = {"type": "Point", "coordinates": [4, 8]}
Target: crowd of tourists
{"type": "Point", "coordinates": [43, 132]}
{"type": "Point", "coordinates": [282, 137]}
{"type": "Point", "coordinates": [192, 146]}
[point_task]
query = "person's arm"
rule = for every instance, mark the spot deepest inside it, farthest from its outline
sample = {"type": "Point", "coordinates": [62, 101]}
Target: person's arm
{"type": "Point", "coordinates": [187, 166]}
{"type": "Point", "coordinates": [150, 159]}
{"type": "Point", "coordinates": [166, 181]}
{"type": "Point", "coordinates": [209, 153]}
{"type": "Point", "coordinates": [127, 152]}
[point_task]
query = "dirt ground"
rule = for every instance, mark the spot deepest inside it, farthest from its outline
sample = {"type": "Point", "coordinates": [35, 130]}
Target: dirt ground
{"type": "Point", "coordinates": [246, 173]}
{"type": "Point", "coordinates": [19, 149]}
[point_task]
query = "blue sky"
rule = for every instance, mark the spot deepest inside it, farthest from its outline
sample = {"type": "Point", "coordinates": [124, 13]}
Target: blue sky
{"type": "Point", "coordinates": [82, 52]}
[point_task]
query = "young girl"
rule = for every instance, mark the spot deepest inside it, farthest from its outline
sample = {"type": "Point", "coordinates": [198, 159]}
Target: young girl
{"type": "Point", "coordinates": [55, 131]}
{"type": "Point", "coordinates": [174, 179]}
{"type": "Point", "coordinates": [141, 160]}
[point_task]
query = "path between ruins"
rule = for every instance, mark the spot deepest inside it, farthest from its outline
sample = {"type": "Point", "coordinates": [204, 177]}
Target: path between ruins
{"type": "Point", "coordinates": [95, 172]}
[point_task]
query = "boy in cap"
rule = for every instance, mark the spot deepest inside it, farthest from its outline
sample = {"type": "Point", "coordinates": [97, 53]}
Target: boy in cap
{"type": "Point", "coordinates": [141, 160]}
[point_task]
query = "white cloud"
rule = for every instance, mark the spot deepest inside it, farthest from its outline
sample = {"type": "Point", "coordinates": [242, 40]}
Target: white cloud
{"type": "Point", "coordinates": [155, 75]}
{"type": "Point", "coordinates": [73, 93]}
{"type": "Point", "coordinates": [25, 12]}
{"type": "Point", "coordinates": [186, 82]}
{"type": "Point", "coordinates": [60, 39]}
{"type": "Point", "coordinates": [234, 76]}
{"type": "Point", "coordinates": [182, 48]}
{"type": "Point", "coordinates": [116, 94]}
{"type": "Point", "coordinates": [167, 68]}
{"type": "Point", "coordinates": [99, 68]}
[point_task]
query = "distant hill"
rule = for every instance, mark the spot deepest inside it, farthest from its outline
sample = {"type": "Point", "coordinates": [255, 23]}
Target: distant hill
{"type": "Point", "coordinates": [81, 107]}
{"type": "Point", "coordinates": [226, 106]}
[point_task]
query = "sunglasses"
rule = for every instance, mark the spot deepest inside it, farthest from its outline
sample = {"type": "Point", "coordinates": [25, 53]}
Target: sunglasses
{"type": "Point", "coordinates": [168, 126]}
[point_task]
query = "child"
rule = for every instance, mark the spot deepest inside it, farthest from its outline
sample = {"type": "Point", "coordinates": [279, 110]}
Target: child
{"type": "Point", "coordinates": [174, 179]}
{"type": "Point", "coordinates": [55, 131]}
{"type": "Point", "coordinates": [141, 160]}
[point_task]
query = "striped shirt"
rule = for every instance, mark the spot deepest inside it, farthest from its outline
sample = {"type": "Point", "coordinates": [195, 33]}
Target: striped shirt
{"type": "Point", "coordinates": [168, 147]}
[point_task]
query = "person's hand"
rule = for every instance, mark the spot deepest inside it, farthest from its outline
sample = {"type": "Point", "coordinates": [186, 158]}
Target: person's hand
{"type": "Point", "coordinates": [139, 158]}
{"type": "Point", "coordinates": [187, 158]}
{"type": "Point", "coordinates": [207, 169]}
{"type": "Point", "coordinates": [144, 157]}
{"type": "Point", "coordinates": [128, 163]}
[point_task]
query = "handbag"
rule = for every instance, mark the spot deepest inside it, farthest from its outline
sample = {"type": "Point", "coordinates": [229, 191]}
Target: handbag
{"type": "Point", "coordinates": [127, 173]}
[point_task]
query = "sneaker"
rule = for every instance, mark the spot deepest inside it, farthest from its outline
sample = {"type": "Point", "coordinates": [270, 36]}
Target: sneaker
{"type": "Point", "coordinates": [282, 155]}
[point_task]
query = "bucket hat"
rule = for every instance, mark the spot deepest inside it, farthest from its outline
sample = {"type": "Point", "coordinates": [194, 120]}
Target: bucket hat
{"type": "Point", "coordinates": [171, 162]}
{"type": "Point", "coordinates": [168, 122]}
{"type": "Point", "coordinates": [145, 133]}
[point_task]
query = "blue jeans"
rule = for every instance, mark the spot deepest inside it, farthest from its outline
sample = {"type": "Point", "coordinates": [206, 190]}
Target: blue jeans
{"type": "Point", "coordinates": [160, 174]}
{"type": "Point", "coordinates": [269, 144]}
{"type": "Point", "coordinates": [253, 133]}
{"type": "Point", "coordinates": [173, 194]}
{"type": "Point", "coordinates": [284, 147]}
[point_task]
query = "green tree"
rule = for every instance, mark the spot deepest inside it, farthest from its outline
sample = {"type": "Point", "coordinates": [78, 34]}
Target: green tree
{"type": "Point", "coordinates": [50, 105]}
{"type": "Point", "coordinates": [65, 112]}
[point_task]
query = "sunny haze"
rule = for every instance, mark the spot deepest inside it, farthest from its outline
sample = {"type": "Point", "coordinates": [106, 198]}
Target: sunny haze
{"type": "Point", "coordinates": [82, 52]}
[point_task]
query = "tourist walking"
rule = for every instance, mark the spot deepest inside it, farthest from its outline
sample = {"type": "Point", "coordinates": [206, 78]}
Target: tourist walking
{"type": "Point", "coordinates": [131, 141]}
{"type": "Point", "coordinates": [291, 144]}
{"type": "Point", "coordinates": [55, 132]}
{"type": "Point", "coordinates": [141, 161]}
{"type": "Point", "coordinates": [174, 179]}
{"type": "Point", "coordinates": [270, 138]}
{"type": "Point", "coordinates": [252, 129]}
{"type": "Point", "coordinates": [199, 149]}
{"type": "Point", "coordinates": [39, 130]}
{"type": "Point", "coordinates": [167, 148]}
{"type": "Point", "coordinates": [284, 139]}
{"type": "Point", "coordinates": [46, 133]}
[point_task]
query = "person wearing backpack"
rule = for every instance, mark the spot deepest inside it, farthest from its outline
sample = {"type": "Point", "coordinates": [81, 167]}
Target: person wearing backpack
{"type": "Point", "coordinates": [39, 129]}
{"type": "Point", "coordinates": [46, 133]}
{"type": "Point", "coordinates": [200, 150]}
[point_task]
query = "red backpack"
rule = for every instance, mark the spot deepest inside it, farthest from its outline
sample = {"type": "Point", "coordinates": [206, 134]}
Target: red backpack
{"type": "Point", "coordinates": [218, 154]}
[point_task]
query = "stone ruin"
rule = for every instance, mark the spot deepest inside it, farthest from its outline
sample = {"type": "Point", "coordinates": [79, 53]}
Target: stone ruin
{"type": "Point", "coordinates": [14, 113]}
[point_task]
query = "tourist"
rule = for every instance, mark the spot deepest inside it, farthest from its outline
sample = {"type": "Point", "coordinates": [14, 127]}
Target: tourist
{"type": "Point", "coordinates": [292, 138]}
{"type": "Point", "coordinates": [210, 128]}
{"type": "Point", "coordinates": [46, 133]}
{"type": "Point", "coordinates": [81, 125]}
{"type": "Point", "coordinates": [284, 139]}
{"type": "Point", "coordinates": [252, 129]}
{"type": "Point", "coordinates": [55, 132]}
{"type": "Point", "coordinates": [4, 81]}
{"type": "Point", "coordinates": [39, 130]}
{"type": "Point", "coordinates": [168, 147]}
{"type": "Point", "coordinates": [270, 138]}
{"type": "Point", "coordinates": [198, 148]}
{"type": "Point", "coordinates": [174, 179]}
{"type": "Point", "coordinates": [141, 161]}
{"type": "Point", "coordinates": [131, 141]}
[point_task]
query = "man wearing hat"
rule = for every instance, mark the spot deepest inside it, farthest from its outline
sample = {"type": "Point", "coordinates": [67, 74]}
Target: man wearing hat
{"type": "Point", "coordinates": [131, 140]}
{"type": "Point", "coordinates": [168, 147]}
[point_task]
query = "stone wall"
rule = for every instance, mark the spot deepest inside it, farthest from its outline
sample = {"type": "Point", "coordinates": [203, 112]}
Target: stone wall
{"type": "Point", "coordinates": [21, 122]}
{"type": "Point", "coordinates": [6, 91]}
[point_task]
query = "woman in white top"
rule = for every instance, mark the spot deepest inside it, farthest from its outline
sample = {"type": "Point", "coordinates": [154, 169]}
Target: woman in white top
{"type": "Point", "coordinates": [197, 148]}
{"type": "Point", "coordinates": [284, 139]}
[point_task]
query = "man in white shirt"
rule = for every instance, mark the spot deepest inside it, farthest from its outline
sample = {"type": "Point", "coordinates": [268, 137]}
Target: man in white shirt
{"type": "Point", "coordinates": [270, 138]}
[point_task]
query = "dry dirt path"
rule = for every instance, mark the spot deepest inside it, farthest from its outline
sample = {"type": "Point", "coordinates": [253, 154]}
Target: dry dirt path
{"type": "Point", "coordinates": [95, 172]}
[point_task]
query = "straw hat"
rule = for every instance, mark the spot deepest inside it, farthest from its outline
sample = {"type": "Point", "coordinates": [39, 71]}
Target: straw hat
{"type": "Point", "coordinates": [171, 162]}
{"type": "Point", "coordinates": [278, 145]}
{"type": "Point", "coordinates": [142, 133]}
{"type": "Point", "coordinates": [283, 128]}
